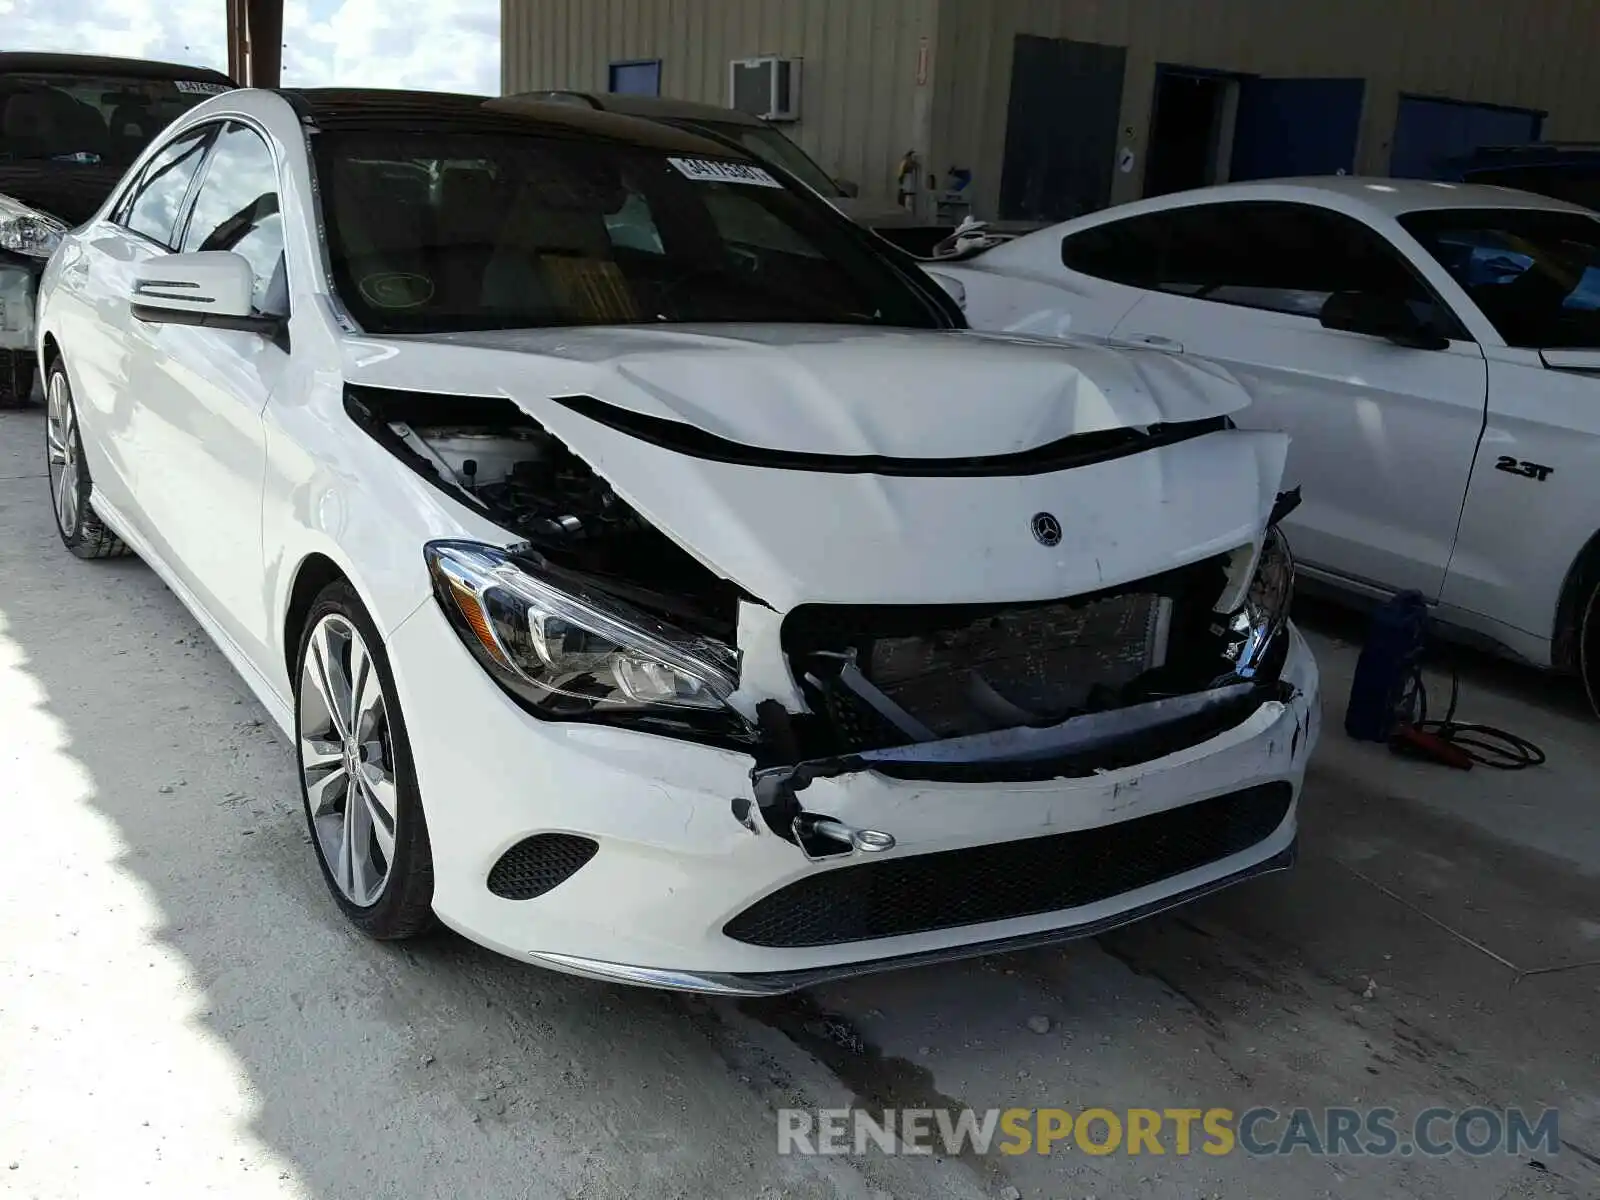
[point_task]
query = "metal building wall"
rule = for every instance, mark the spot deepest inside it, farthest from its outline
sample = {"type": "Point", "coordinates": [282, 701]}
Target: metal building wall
{"type": "Point", "coordinates": [861, 108]}
{"type": "Point", "coordinates": [1527, 53]}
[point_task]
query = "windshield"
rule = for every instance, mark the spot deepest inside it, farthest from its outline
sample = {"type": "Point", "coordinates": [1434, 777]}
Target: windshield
{"type": "Point", "coordinates": [771, 146]}
{"type": "Point", "coordinates": [1535, 274]}
{"type": "Point", "coordinates": [432, 231]}
{"type": "Point", "coordinates": [90, 119]}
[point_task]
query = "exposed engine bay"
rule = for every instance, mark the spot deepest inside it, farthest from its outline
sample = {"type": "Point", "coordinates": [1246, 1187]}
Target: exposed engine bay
{"type": "Point", "coordinates": [493, 457]}
{"type": "Point", "coordinates": [919, 689]}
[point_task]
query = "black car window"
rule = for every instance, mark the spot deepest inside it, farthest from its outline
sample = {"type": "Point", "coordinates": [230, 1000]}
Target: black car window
{"type": "Point", "coordinates": [236, 209]}
{"type": "Point", "coordinates": [1277, 256]}
{"type": "Point", "coordinates": [443, 230]}
{"type": "Point", "coordinates": [1576, 183]}
{"type": "Point", "coordinates": [1127, 251]}
{"type": "Point", "coordinates": [87, 119]}
{"type": "Point", "coordinates": [1534, 273]}
{"type": "Point", "coordinates": [154, 204]}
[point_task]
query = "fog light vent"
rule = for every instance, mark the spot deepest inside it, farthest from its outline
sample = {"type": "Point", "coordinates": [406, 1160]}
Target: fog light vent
{"type": "Point", "coordinates": [536, 864]}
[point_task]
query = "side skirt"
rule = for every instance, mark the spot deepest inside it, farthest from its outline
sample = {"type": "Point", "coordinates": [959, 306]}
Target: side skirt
{"type": "Point", "coordinates": [277, 707]}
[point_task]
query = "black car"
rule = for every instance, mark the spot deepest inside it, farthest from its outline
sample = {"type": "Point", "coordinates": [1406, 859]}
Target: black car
{"type": "Point", "coordinates": [1563, 171]}
{"type": "Point", "coordinates": [70, 125]}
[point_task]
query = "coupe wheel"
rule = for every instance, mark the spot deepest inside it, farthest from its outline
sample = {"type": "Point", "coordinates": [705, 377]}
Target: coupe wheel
{"type": "Point", "coordinates": [1589, 648]}
{"type": "Point", "coordinates": [355, 772]}
{"type": "Point", "coordinates": [81, 529]}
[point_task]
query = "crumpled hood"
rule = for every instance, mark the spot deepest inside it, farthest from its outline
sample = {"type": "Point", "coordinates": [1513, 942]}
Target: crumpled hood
{"type": "Point", "coordinates": [70, 192]}
{"type": "Point", "coordinates": [793, 536]}
{"type": "Point", "coordinates": [828, 390]}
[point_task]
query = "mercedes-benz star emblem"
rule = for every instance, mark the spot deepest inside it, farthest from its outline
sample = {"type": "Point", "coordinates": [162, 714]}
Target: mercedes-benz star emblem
{"type": "Point", "coordinates": [1046, 529]}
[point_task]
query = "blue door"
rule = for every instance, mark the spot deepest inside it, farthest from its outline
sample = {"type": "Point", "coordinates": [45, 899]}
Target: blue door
{"type": "Point", "coordinates": [636, 78]}
{"type": "Point", "coordinates": [1429, 131]}
{"type": "Point", "coordinates": [1296, 127]}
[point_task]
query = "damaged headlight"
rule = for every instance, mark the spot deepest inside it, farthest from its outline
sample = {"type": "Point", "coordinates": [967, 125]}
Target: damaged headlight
{"type": "Point", "coordinates": [1255, 625]}
{"type": "Point", "coordinates": [24, 230]}
{"type": "Point", "coordinates": [570, 651]}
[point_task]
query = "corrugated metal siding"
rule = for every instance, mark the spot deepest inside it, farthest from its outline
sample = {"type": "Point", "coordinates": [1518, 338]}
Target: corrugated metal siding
{"type": "Point", "coordinates": [859, 108]}
{"type": "Point", "coordinates": [1534, 54]}
{"type": "Point", "coordinates": [862, 109]}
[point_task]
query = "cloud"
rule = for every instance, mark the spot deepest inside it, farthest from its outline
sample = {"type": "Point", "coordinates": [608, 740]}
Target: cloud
{"type": "Point", "coordinates": [441, 45]}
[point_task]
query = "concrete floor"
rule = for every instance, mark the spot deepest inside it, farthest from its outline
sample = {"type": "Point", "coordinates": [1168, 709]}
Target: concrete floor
{"type": "Point", "coordinates": [182, 1011]}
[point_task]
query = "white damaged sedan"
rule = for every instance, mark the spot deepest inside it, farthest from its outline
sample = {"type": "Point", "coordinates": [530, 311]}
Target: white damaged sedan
{"type": "Point", "coordinates": [658, 583]}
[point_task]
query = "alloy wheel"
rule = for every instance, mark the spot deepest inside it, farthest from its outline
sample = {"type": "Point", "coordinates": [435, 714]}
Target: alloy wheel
{"type": "Point", "coordinates": [62, 441]}
{"type": "Point", "coordinates": [347, 760]}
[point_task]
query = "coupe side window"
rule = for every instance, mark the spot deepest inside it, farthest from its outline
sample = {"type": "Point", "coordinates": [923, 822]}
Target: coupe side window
{"type": "Point", "coordinates": [153, 207]}
{"type": "Point", "coordinates": [1278, 257]}
{"type": "Point", "coordinates": [1126, 252]}
{"type": "Point", "coordinates": [237, 209]}
{"type": "Point", "coordinates": [1286, 258]}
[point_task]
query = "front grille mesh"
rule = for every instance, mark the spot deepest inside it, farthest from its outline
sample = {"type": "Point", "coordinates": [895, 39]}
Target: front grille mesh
{"type": "Point", "coordinates": [1022, 878]}
{"type": "Point", "coordinates": [1048, 661]}
{"type": "Point", "coordinates": [536, 864]}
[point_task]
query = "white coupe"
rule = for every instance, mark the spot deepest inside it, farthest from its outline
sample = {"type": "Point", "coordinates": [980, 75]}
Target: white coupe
{"type": "Point", "coordinates": [1433, 350]}
{"type": "Point", "coordinates": [656, 581]}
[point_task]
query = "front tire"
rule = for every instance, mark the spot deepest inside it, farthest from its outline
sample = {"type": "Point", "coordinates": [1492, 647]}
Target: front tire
{"type": "Point", "coordinates": [356, 776]}
{"type": "Point", "coordinates": [81, 529]}
{"type": "Point", "coordinates": [1589, 647]}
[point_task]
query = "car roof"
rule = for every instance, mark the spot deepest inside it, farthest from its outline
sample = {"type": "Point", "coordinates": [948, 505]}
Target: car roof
{"type": "Point", "coordinates": [1374, 196]}
{"type": "Point", "coordinates": [22, 62]}
{"type": "Point", "coordinates": [372, 108]}
{"type": "Point", "coordinates": [656, 108]}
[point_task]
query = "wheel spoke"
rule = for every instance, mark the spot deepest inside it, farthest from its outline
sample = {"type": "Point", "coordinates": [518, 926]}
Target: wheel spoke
{"type": "Point", "coordinates": [325, 790]}
{"type": "Point", "coordinates": [377, 790]}
{"type": "Point", "coordinates": [320, 752]}
{"type": "Point", "coordinates": [366, 696]}
{"type": "Point", "coordinates": [321, 678]}
{"type": "Point", "coordinates": [67, 498]}
{"type": "Point", "coordinates": [341, 686]}
{"type": "Point", "coordinates": [358, 833]}
{"type": "Point", "coordinates": [345, 871]}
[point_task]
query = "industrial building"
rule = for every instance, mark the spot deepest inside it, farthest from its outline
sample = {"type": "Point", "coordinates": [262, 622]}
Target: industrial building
{"type": "Point", "coordinates": [1036, 110]}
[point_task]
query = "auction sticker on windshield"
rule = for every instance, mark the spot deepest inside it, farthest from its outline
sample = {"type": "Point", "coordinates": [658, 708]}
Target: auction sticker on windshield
{"type": "Point", "coordinates": [710, 170]}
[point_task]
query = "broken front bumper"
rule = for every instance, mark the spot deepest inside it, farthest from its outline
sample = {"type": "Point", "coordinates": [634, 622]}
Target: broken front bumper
{"type": "Point", "coordinates": [686, 885]}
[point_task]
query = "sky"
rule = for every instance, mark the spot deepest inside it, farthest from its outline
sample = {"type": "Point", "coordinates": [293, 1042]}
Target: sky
{"type": "Point", "coordinates": [443, 45]}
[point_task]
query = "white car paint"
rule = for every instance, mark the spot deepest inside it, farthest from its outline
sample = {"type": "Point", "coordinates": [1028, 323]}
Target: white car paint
{"type": "Point", "coordinates": [1396, 448]}
{"type": "Point", "coordinates": [228, 460]}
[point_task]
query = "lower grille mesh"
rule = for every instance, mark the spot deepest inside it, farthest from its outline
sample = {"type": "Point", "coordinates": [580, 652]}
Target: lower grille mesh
{"type": "Point", "coordinates": [1049, 661]}
{"type": "Point", "coordinates": [1011, 879]}
{"type": "Point", "coordinates": [536, 864]}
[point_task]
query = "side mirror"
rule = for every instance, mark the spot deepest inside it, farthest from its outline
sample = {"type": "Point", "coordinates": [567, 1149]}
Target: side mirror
{"type": "Point", "coordinates": [1380, 316]}
{"type": "Point", "coordinates": [212, 288]}
{"type": "Point", "coordinates": [848, 187]}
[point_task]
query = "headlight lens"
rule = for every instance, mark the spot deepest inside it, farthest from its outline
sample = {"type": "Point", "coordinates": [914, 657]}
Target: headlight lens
{"type": "Point", "coordinates": [26, 231]}
{"type": "Point", "coordinates": [568, 650]}
{"type": "Point", "coordinates": [1254, 627]}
